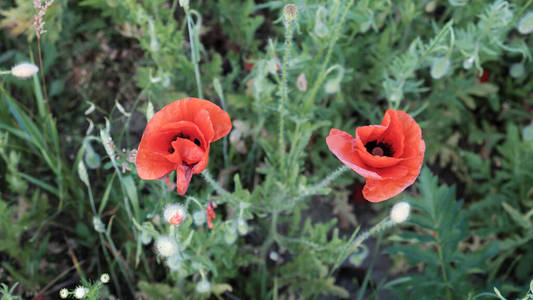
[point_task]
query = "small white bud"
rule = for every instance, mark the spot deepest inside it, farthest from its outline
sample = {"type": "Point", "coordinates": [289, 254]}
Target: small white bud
{"type": "Point", "coordinates": [146, 238]}
{"type": "Point", "coordinates": [332, 86]}
{"type": "Point", "coordinates": [430, 6]}
{"type": "Point", "coordinates": [166, 246]}
{"type": "Point", "coordinates": [400, 212]}
{"type": "Point", "coordinates": [517, 70]}
{"type": "Point", "coordinates": [231, 234]}
{"type": "Point", "coordinates": [104, 278]}
{"type": "Point", "coordinates": [80, 292]}
{"type": "Point", "coordinates": [24, 70]}
{"type": "Point", "coordinates": [440, 67]}
{"type": "Point", "coordinates": [174, 214]}
{"type": "Point", "coordinates": [174, 262]}
{"type": "Point", "coordinates": [63, 293]}
{"type": "Point", "coordinates": [199, 218]}
{"type": "Point", "coordinates": [242, 226]}
{"type": "Point", "coordinates": [525, 26]}
{"type": "Point", "coordinates": [203, 286]}
{"type": "Point", "coordinates": [98, 225]}
{"type": "Point", "coordinates": [467, 63]}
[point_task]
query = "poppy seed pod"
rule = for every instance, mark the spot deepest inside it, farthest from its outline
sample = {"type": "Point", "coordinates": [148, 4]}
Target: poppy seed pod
{"type": "Point", "coordinates": [290, 12]}
{"type": "Point", "coordinates": [24, 70]}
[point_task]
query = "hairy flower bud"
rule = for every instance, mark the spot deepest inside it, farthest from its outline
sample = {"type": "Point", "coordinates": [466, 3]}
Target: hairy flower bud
{"type": "Point", "coordinates": [440, 67]}
{"type": "Point", "coordinates": [174, 214]}
{"type": "Point", "coordinates": [525, 26]}
{"type": "Point", "coordinates": [203, 286]}
{"type": "Point", "coordinates": [290, 12]}
{"type": "Point", "coordinates": [517, 70]}
{"type": "Point", "coordinates": [24, 70]}
{"type": "Point", "coordinates": [400, 212]}
{"type": "Point", "coordinates": [166, 246]}
{"type": "Point", "coordinates": [198, 218]}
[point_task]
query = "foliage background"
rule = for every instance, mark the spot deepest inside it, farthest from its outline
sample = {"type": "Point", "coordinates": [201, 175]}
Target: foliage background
{"type": "Point", "coordinates": [110, 63]}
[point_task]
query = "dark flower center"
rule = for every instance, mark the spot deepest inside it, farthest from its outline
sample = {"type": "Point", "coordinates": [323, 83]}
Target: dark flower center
{"type": "Point", "coordinates": [379, 149]}
{"type": "Point", "coordinates": [183, 136]}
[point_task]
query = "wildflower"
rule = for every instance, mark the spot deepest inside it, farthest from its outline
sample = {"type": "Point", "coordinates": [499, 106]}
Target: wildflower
{"type": "Point", "coordinates": [63, 293]}
{"type": "Point", "coordinates": [389, 155]}
{"type": "Point", "coordinates": [80, 292]}
{"type": "Point", "coordinates": [24, 70]}
{"type": "Point", "coordinates": [104, 278]}
{"type": "Point", "coordinates": [178, 138]}
{"type": "Point", "coordinates": [400, 212]}
{"type": "Point", "coordinates": [174, 214]}
{"type": "Point", "coordinates": [210, 213]}
{"type": "Point", "coordinates": [203, 286]}
{"type": "Point", "coordinates": [166, 246]}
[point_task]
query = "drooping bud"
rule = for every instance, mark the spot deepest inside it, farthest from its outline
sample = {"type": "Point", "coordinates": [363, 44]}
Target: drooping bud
{"type": "Point", "coordinates": [440, 67]}
{"type": "Point", "coordinates": [174, 214]}
{"type": "Point", "coordinates": [400, 212]}
{"type": "Point", "coordinates": [525, 26]}
{"type": "Point", "coordinates": [467, 63]}
{"type": "Point", "coordinates": [174, 262]}
{"type": "Point", "coordinates": [242, 226]}
{"type": "Point", "coordinates": [146, 238]}
{"type": "Point", "coordinates": [24, 70]}
{"type": "Point", "coordinates": [198, 218]}
{"type": "Point", "coordinates": [203, 286]}
{"type": "Point", "coordinates": [230, 236]}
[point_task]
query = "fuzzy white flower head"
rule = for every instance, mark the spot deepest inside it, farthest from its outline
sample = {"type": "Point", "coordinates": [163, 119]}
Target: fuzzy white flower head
{"type": "Point", "coordinates": [400, 212]}
{"type": "Point", "coordinates": [203, 286]}
{"type": "Point", "coordinates": [104, 278]}
{"type": "Point", "coordinates": [63, 293]}
{"type": "Point", "coordinates": [199, 217]}
{"type": "Point", "coordinates": [166, 246]}
{"type": "Point", "coordinates": [24, 70]}
{"type": "Point", "coordinates": [174, 214]}
{"type": "Point", "coordinates": [80, 292]}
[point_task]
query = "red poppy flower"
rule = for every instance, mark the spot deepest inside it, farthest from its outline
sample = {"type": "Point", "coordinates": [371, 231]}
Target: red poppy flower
{"type": "Point", "coordinates": [389, 155]}
{"type": "Point", "coordinates": [178, 138]}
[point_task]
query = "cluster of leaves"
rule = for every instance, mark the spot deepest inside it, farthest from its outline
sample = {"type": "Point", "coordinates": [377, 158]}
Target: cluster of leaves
{"type": "Point", "coordinates": [338, 65]}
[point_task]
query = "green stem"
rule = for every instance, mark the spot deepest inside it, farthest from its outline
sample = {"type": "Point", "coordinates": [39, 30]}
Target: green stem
{"type": "Point", "coordinates": [194, 50]}
{"type": "Point", "coordinates": [443, 270]}
{"type": "Point", "coordinates": [322, 184]}
{"type": "Point", "coordinates": [5, 72]}
{"type": "Point", "coordinates": [219, 189]}
{"type": "Point", "coordinates": [322, 75]}
{"type": "Point", "coordinates": [282, 103]}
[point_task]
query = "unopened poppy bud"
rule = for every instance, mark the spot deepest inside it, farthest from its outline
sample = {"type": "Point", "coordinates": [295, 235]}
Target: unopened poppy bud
{"type": "Point", "coordinates": [146, 238]}
{"type": "Point", "coordinates": [395, 95]}
{"type": "Point", "coordinates": [440, 67]}
{"type": "Point", "coordinates": [230, 235]}
{"type": "Point", "coordinates": [203, 286]}
{"type": "Point", "coordinates": [467, 63]}
{"type": "Point", "coordinates": [274, 256]}
{"type": "Point", "coordinates": [104, 278]}
{"type": "Point", "coordinates": [242, 226]}
{"type": "Point", "coordinates": [174, 214]}
{"type": "Point", "coordinates": [517, 70]}
{"type": "Point", "coordinates": [98, 225]}
{"type": "Point", "coordinates": [198, 218]}
{"type": "Point", "coordinates": [272, 65]}
{"type": "Point", "coordinates": [80, 292]}
{"type": "Point", "coordinates": [24, 70]}
{"type": "Point", "coordinates": [321, 30]}
{"type": "Point", "coordinates": [301, 82]}
{"type": "Point", "coordinates": [332, 86]}
{"type": "Point", "coordinates": [166, 246]}
{"type": "Point", "coordinates": [400, 212]}
{"type": "Point", "coordinates": [525, 26]}
{"type": "Point", "coordinates": [174, 262]}
{"type": "Point", "coordinates": [430, 6]}
{"type": "Point", "coordinates": [184, 3]}
{"type": "Point", "coordinates": [63, 293]}
{"type": "Point", "coordinates": [290, 12]}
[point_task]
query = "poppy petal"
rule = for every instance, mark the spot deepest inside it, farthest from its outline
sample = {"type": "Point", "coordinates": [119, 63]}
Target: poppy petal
{"type": "Point", "coordinates": [151, 166]}
{"type": "Point", "coordinates": [369, 133]}
{"type": "Point", "coordinates": [203, 121]}
{"type": "Point", "coordinates": [374, 160]}
{"type": "Point", "coordinates": [342, 145]}
{"type": "Point", "coordinates": [202, 164]}
{"type": "Point", "coordinates": [190, 153]}
{"type": "Point", "coordinates": [183, 178]}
